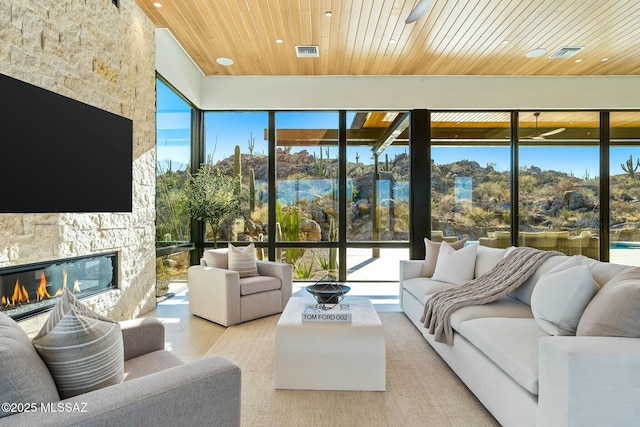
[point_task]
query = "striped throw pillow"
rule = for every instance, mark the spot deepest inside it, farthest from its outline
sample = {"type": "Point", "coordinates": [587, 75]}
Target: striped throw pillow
{"type": "Point", "coordinates": [83, 352]}
{"type": "Point", "coordinates": [243, 260]}
{"type": "Point", "coordinates": [67, 302]}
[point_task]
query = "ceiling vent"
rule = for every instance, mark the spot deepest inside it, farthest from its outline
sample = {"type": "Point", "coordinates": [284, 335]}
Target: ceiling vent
{"type": "Point", "coordinates": [307, 51]}
{"type": "Point", "coordinates": [565, 52]}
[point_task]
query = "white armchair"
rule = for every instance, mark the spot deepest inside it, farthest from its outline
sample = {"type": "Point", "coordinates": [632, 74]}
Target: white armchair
{"type": "Point", "coordinates": [221, 296]}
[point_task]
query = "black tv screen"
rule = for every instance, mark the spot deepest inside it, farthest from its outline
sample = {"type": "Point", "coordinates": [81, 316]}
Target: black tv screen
{"type": "Point", "coordinates": [61, 155]}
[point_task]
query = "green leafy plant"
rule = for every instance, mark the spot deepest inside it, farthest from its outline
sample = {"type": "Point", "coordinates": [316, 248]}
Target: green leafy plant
{"type": "Point", "coordinates": [302, 269]}
{"type": "Point", "coordinates": [211, 196]}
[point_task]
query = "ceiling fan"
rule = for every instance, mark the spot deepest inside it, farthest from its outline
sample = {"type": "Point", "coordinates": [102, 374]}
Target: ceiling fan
{"type": "Point", "coordinates": [418, 11]}
{"type": "Point", "coordinates": [540, 136]}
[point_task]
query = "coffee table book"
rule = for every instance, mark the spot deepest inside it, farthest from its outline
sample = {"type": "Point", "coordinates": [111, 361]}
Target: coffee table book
{"type": "Point", "coordinates": [315, 313]}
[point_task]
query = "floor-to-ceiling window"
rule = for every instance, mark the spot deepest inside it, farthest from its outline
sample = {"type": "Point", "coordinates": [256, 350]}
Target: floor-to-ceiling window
{"type": "Point", "coordinates": [559, 184]}
{"type": "Point", "coordinates": [342, 195]}
{"type": "Point", "coordinates": [237, 144]}
{"type": "Point", "coordinates": [471, 177]}
{"type": "Point", "coordinates": [377, 193]}
{"type": "Point", "coordinates": [624, 188]}
{"type": "Point", "coordinates": [307, 192]}
{"type": "Point", "coordinates": [173, 154]}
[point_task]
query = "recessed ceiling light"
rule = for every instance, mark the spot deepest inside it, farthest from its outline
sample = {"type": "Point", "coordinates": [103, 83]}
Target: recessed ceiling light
{"type": "Point", "coordinates": [328, 14]}
{"type": "Point", "coordinates": [278, 40]}
{"type": "Point", "coordinates": [224, 61]}
{"type": "Point", "coordinates": [536, 52]}
{"type": "Point", "coordinates": [505, 42]}
{"type": "Point", "coordinates": [605, 59]}
{"type": "Point", "coordinates": [157, 4]}
{"type": "Point", "coordinates": [578, 60]}
{"type": "Point", "coordinates": [392, 41]}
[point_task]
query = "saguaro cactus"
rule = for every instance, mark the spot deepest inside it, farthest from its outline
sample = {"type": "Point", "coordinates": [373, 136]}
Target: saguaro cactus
{"type": "Point", "coordinates": [237, 163]}
{"type": "Point", "coordinates": [252, 190]}
{"type": "Point", "coordinates": [320, 167]}
{"type": "Point", "coordinates": [237, 169]}
{"type": "Point", "coordinates": [251, 143]}
{"type": "Point", "coordinates": [629, 167]}
{"type": "Point", "coordinates": [333, 252]}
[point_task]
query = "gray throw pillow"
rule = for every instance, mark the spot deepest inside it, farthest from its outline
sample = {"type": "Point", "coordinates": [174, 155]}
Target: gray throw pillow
{"type": "Point", "coordinates": [615, 310]}
{"type": "Point", "coordinates": [23, 375]}
{"type": "Point", "coordinates": [83, 351]}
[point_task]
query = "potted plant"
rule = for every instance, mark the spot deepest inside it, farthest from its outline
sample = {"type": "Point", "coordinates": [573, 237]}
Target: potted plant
{"type": "Point", "coordinates": [211, 196]}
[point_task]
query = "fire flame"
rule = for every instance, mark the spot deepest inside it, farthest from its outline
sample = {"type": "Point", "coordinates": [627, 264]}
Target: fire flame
{"type": "Point", "coordinates": [21, 295]}
{"type": "Point", "coordinates": [41, 292]}
{"type": "Point", "coordinates": [64, 284]}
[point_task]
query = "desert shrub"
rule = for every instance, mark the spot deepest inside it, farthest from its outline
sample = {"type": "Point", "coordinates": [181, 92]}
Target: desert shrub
{"type": "Point", "coordinates": [528, 183]}
{"type": "Point", "coordinates": [479, 216]}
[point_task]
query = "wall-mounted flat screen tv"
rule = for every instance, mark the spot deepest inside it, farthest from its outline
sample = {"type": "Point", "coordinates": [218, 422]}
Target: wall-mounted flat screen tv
{"type": "Point", "coordinates": [61, 155]}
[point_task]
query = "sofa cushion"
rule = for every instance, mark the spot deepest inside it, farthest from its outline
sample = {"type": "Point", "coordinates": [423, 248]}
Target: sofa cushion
{"type": "Point", "coordinates": [615, 310]}
{"type": "Point", "coordinates": [504, 307]}
{"type": "Point", "coordinates": [24, 377]}
{"type": "Point", "coordinates": [487, 258]}
{"type": "Point", "coordinates": [455, 266]}
{"type": "Point", "coordinates": [431, 255]}
{"type": "Point", "coordinates": [560, 297]}
{"type": "Point", "coordinates": [423, 287]}
{"type": "Point", "coordinates": [82, 351]}
{"type": "Point", "coordinates": [524, 291]}
{"type": "Point", "coordinates": [243, 260]}
{"type": "Point", "coordinates": [150, 363]}
{"type": "Point", "coordinates": [254, 284]}
{"type": "Point", "coordinates": [216, 258]}
{"type": "Point", "coordinates": [512, 344]}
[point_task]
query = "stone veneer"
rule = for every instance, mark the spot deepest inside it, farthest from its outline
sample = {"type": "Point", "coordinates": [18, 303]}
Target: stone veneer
{"type": "Point", "coordinates": [93, 52]}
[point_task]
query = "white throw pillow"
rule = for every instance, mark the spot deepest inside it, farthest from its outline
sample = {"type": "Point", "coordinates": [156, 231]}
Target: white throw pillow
{"type": "Point", "coordinates": [487, 258]}
{"type": "Point", "coordinates": [82, 351]}
{"type": "Point", "coordinates": [243, 260]}
{"type": "Point", "coordinates": [454, 266]}
{"type": "Point", "coordinates": [561, 296]}
{"type": "Point", "coordinates": [431, 250]}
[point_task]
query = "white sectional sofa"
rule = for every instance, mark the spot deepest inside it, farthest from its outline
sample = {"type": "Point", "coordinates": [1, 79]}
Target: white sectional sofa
{"type": "Point", "coordinates": [523, 375]}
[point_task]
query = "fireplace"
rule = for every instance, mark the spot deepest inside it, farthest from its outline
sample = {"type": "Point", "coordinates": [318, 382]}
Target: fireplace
{"type": "Point", "coordinates": [30, 289]}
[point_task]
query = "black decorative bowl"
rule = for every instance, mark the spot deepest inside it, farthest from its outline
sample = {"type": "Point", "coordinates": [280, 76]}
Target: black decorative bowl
{"type": "Point", "coordinates": [328, 293]}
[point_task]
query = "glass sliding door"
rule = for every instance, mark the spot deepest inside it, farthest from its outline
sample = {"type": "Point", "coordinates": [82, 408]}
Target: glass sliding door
{"type": "Point", "coordinates": [377, 193]}
{"type": "Point", "coordinates": [471, 177]}
{"type": "Point", "coordinates": [307, 186]}
{"type": "Point", "coordinates": [558, 198]}
{"type": "Point", "coordinates": [236, 143]}
{"type": "Point", "coordinates": [624, 188]}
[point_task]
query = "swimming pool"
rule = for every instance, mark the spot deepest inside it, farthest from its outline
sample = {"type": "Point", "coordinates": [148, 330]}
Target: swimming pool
{"type": "Point", "coordinates": [624, 245]}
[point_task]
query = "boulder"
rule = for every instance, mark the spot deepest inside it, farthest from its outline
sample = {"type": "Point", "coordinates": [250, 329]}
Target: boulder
{"type": "Point", "coordinates": [310, 230]}
{"type": "Point", "coordinates": [573, 200]}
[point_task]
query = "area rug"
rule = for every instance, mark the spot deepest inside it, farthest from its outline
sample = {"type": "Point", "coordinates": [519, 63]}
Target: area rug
{"type": "Point", "coordinates": [421, 389]}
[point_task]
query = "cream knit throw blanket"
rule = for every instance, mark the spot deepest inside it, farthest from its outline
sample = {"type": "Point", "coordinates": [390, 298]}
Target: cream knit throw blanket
{"type": "Point", "coordinates": [512, 271]}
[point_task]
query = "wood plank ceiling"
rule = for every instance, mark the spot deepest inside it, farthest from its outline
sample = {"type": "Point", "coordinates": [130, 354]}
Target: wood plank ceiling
{"type": "Point", "coordinates": [369, 37]}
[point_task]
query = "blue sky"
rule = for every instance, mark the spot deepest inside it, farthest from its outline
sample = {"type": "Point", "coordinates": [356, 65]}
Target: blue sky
{"type": "Point", "coordinates": [233, 129]}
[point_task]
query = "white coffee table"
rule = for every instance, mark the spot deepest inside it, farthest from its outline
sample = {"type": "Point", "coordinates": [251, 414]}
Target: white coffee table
{"type": "Point", "coordinates": [330, 355]}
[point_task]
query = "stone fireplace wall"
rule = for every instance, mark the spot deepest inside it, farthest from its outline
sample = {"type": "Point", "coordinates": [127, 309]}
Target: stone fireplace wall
{"type": "Point", "coordinates": [91, 51]}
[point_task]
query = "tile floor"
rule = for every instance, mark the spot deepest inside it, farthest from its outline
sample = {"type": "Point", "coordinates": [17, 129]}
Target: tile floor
{"type": "Point", "coordinates": [190, 337]}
